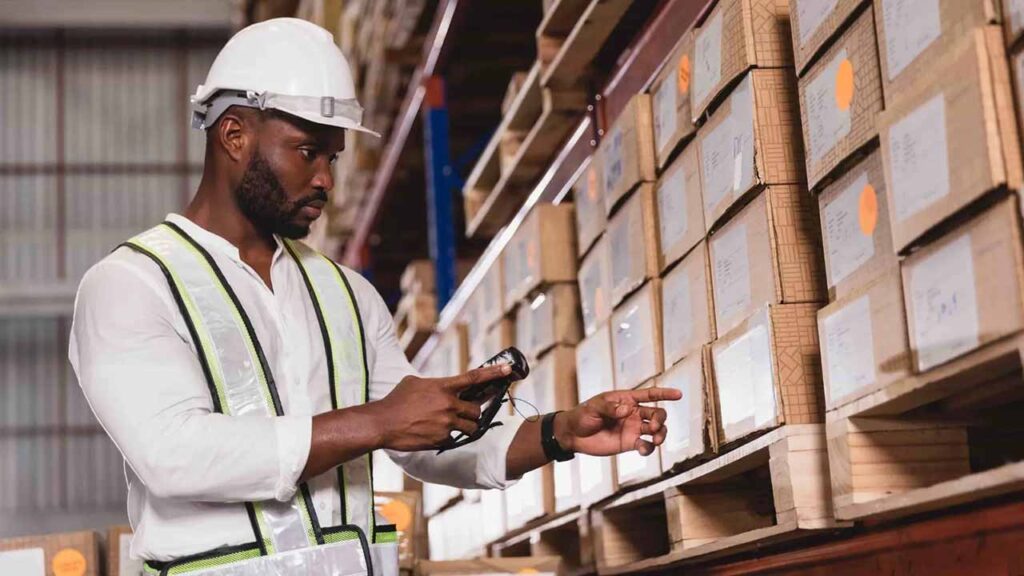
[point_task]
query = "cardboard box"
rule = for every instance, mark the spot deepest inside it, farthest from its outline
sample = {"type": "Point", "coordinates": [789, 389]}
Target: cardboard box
{"type": "Point", "coordinates": [539, 566]}
{"type": "Point", "coordinates": [626, 152]}
{"type": "Point", "coordinates": [636, 337]}
{"type": "Point", "coordinates": [495, 339]}
{"type": "Point", "coordinates": [680, 207]}
{"type": "Point", "coordinates": [70, 553]}
{"type": "Point", "coordinates": [670, 101]}
{"type": "Point", "coordinates": [595, 279]}
{"type": "Point", "coordinates": [530, 498]}
{"type": "Point", "coordinates": [632, 468]}
{"type": "Point", "coordinates": [418, 277]}
{"type": "Point", "coordinates": [1013, 20]}
{"type": "Point", "coordinates": [404, 511]}
{"type": "Point", "coordinates": [567, 484]}
{"type": "Point", "coordinates": [924, 35]}
{"type": "Point", "coordinates": [451, 356]}
{"type": "Point", "coordinates": [549, 318]}
{"type": "Point", "coordinates": [594, 376]}
{"type": "Point", "coordinates": [542, 251]}
{"type": "Point", "coordinates": [952, 138]}
{"type": "Point", "coordinates": [688, 312]}
{"type": "Point", "coordinates": [964, 290]}
{"type": "Point", "coordinates": [689, 420]}
{"type": "Point", "coordinates": [118, 553]}
{"type": "Point", "coordinates": [840, 99]}
{"type": "Point", "coordinates": [855, 233]}
{"type": "Point", "coordinates": [633, 243]}
{"type": "Point", "coordinates": [550, 386]}
{"type": "Point", "coordinates": [591, 219]}
{"type": "Point", "coordinates": [1017, 69]}
{"type": "Point", "coordinates": [455, 532]}
{"type": "Point", "coordinates": [490, 294]}
{"type": "Point", "coordinates": [769, 253]}
{"type": "Point", "coordinates": [736, 36]}
{"type": "Point", "coordinates": [768, 372]}
{"type": "Point", "coordinates": [814, 23]}
{"type": "Point", "coordinates": [436, 497]}
{"type": "Point", "coordinates": [751, 140]}
{"type": "Point", "coordinates": [864, 344]}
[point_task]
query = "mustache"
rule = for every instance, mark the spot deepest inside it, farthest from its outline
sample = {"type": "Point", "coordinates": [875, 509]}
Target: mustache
{"type": "Point", "coordinates": [319, 196]}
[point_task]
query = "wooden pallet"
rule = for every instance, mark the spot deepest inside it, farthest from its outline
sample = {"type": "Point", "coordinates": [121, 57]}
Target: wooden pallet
{"type": "Point", "coordinates": [565, 535]}
{"type": "Point", "coordinates": [537, 124]}
{"type": "Point", "coordinates": [771, 490]}
{"type": "Point", "coordinates": [946, 437]}
{"type": "Point", "coordinates": [557, 25]}
{"type": "Point", "coordinates": [415, 320]}
{"type": "Point", "coordinates": [582, 43]}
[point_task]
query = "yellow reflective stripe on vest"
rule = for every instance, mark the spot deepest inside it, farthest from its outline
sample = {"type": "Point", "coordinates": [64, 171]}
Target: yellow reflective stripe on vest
{"type": "Point", "coordinates": [345, 347]}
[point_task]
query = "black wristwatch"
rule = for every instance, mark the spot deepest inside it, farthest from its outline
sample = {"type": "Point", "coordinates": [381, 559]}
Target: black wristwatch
{"type": "Point", "coordinates": [552, 449]}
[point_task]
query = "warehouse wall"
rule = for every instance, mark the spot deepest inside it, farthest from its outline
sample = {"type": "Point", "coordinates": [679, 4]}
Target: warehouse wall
{"type": "Point", "coordinates": [94, 147]}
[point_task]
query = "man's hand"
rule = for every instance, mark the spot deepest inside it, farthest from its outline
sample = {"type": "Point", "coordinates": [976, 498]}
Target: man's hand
{"type": "Point", "coordinates": [616, 422]}
{"type": "Point", "coordinates": [420, 413]}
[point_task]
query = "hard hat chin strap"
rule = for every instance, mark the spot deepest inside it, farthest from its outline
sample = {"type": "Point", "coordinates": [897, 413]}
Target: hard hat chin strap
{"type": "Point", "coordinates": [206, 115]}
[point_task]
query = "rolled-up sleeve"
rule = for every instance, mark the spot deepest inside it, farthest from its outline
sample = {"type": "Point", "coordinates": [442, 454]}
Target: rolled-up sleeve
{"type": "Point", "coordinates": [480, 464]}
{"type": "Point", "coordinates": [145, 385]}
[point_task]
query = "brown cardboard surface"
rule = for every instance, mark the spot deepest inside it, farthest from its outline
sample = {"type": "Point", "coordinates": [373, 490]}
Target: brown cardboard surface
{"type": "Point", "coordinates": [540, 566]}
{"type": "Point", "coordinates": [69, 553]}
{"type": "Point", "coordinates": [672, 121]}
{"type": "Point", "coordinates": [752, 139]}
{"type": "Point", "coordinates": [840, 99]}
{"type": "Point", "coordinates": [814, 24]}
{"type": "Point", "coordinates": [925, 35]}
{"type": "Point", "coordinates": [595, 281]}
{"type": "Point", "coordinates": [636, 337]}
{"type": "Point", "coordinates": [680, 209]}
{"type": "Point", "coordinates": [688, 313]}
{"type": "Point", "coordinates": [1017, 70]}
{"type": "Point", "coordinates": [402, 509]}
{"type": "Point", "coordinates": [689, 418]}
{"type": "Point", "coordinates": [965, 289]}
{"type": "Point", "coordinates": [542, 251]}
{"type": "Point", "coordinates": [626, 152]}
{"type": "Point", "coordinates": [951, 139]}
{"type": "Point", "coordinates": [114, 549]}
{"type": "Point", "coordinates": [855, 233]}
{"type": "Point", "coordinates": [551, 384]}
{"type": "Point", "coordinates": [863, 337]}
{"type": "Point", "coordinates": [588, 197]}
{"type": "Point", "coordinates": [736, 36]}
{"type": "Point", "coordinates": [594, 376]}
{"type": "Point", "coordinates": [768, 253]}
{"type": "Point", "coordinates": [494, 340]}
{"type": "Point", "coordinates": [1013, 20]}
{"type": "Point", "coordinates": [768, 372]}
{"type": "Point", "coordinates": [549, 318]}
{"type": "Point", "coordinates": [631, 467]}
{"type": "Point", "coordinates": [633, 244]}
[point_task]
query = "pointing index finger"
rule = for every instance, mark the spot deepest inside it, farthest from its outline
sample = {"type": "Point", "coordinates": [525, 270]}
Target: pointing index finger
{"type": "Point", "coordinates": [655, 394]}
{"type": "Point", "coordinates": [477, 376]}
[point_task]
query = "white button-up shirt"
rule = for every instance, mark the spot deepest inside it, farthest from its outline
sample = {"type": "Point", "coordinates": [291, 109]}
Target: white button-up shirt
{"type": "Point", "coordinates": [188, 467]}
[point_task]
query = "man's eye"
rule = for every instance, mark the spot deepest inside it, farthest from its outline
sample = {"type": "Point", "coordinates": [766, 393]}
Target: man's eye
{"type": "Point", "coordinates": [307, 153]}
{"type": "Point", "coordinates": [334, 157]}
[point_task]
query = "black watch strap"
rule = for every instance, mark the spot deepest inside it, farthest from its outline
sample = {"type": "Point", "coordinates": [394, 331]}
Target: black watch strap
{"type": "Point", "coordinates": [552, 449]}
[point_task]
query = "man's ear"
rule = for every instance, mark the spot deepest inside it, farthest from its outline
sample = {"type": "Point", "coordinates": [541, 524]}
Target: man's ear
{"type": "Point", "coordinates": [236, 133]}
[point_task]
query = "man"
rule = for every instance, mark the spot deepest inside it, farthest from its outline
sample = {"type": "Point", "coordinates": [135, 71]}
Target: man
{"type": "Point", "coordinates": [247, 380]}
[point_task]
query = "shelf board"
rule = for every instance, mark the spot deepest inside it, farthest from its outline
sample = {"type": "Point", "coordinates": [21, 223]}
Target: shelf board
{"type": "Point", "coordinates": [588, 35]}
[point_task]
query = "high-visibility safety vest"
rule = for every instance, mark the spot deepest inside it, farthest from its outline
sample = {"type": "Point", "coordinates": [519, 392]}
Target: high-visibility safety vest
{"type": "Point", "coordinates": [288, 536]}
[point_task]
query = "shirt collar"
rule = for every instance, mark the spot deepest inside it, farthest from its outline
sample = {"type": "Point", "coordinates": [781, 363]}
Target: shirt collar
{"type": "Point", "coordinates": [211, 241]}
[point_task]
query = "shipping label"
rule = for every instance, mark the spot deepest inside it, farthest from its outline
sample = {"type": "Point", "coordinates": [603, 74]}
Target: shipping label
{"type": "Point", "coordinates": [678, 413]}
{"type": "Point", "coordinates": [612, 160]}
{"type": "Point", "coordinates": [665, 113]}
{"type": "Point", "coordinates": [919, 159]}
{"type": "Point", "coordinates": [731, 269]}
{"type": "Point", "coordinates": [707, 55]}
{"type": "Point", "coordinates": [849, 246]}
{"type": "Point", "coordinates": [672, 216]}
{"type": "Point", "coordinates": [910, 27]}
{"type": "Point", "coordinates": [944, 304]}
{"type": "Point", "coordinates": [811, 14]}
{"type": "Point", "coordinates": [743, 374]}
{"type": "Point", "coordinates": [827, 104]}
{"type": "Point", "coordinates": [678, 317]}
{"type": "Point", "coordinates": [727, 152]}
{"type": "Point", "coordinates": [850, 348]}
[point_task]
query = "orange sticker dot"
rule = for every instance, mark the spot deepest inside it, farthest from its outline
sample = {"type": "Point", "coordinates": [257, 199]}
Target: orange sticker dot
{"type": "Point", "coordinates": [68, 562]}
{"type": "Point", "coordinates": [592, 184]}
{"type": "Point", "coordinates": [398, 513]}
{"type": "Point", "coordinates": [844, 85]}
{"type": "Point", "coordinates": [868, 210]}
{"type": "Point", "coordinates": [683, 74]}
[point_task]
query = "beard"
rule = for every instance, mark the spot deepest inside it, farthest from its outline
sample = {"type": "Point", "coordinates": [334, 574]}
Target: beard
{"type": "Point", "coordinates": [263, 200]}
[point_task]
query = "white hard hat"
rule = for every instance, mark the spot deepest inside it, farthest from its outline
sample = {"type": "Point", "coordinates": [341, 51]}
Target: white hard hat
{"type": "Point", "coordinates": [284, 64]}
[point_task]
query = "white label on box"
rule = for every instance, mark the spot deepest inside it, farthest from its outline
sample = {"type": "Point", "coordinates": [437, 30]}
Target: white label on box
{"type": "Point", "coordinates": [590, 284]}
{"type": "Point", "coordinates": [727, 152]}
{"type": "Point", "coordinates": [593, 366]}
{"type": "Point", "coordinates": [592, 471]}
{"type": "Point", "coordinates": [731, 269]}
{"type": "Point", "coordinates": [633, 351]}
{"type": "Point", "coordinates": [631, 464]}
{"type": "Point", "coordinates": [848, 246]}
{"type": "Point", "coordinates": [665, 112]}
{"type": "Point", "coordinates": [910, 27]}
{"type": "Point", "coordinates": [677, 414]}
{"type": "Point", "coordinates": [564, 480]}
{"type": "Point", "coordinates": [678, 320]}
{"type": "Point", "coordinates": [945, 304]}
{"type": "Point", "coordinates": [623, 235]}
{"type": "Point", "coordinates": [827, 124]}
{"type": "Point", "coordinates": [811, 14]}
{"type": "Point", "coordinates": [920, 162]}
{"type": "Point", "coordinates": [612, 160]}
{"type": "Point", "coordinates": [29, 562]}
{"type": "Point", "coordinates": [850, 348]}
{"type": "Point", "coordinates": [743, 373]}
{"type": "Point", "coordinates": [707, 53]}
{"type": "Point", "coordinates": [128, 566]}
{"type": "Point", "coordinates": [672, 217]}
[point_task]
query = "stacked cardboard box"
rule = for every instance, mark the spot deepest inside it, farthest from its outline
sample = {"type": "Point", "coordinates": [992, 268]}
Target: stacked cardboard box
{"type": "Point", "coordinates": [404, 510]}
{"type": "Point", "coordinates": [71, 553]}
{"type": "Point", "coordinates": [416, 313]}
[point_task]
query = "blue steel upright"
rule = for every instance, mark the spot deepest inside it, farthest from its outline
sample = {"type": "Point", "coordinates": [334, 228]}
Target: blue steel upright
{"type": "Point", "coordinates": [440, 219]}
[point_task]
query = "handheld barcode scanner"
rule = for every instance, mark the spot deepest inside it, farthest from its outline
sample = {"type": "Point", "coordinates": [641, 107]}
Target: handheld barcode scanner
{"type": "Point", "coordinates": [490, 395]}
